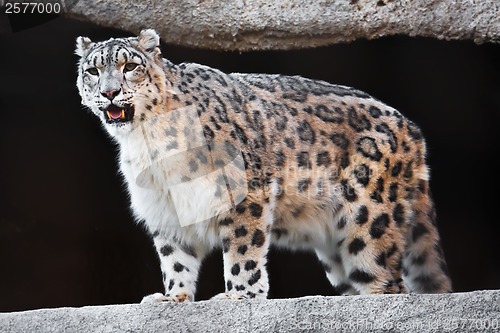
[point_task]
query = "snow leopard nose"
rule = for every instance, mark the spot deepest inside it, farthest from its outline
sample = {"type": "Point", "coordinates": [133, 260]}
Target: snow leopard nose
{"type": "Point", "coordinates": [111, 94]}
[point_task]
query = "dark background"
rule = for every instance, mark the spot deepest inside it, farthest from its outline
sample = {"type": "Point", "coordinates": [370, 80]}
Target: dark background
{"type": "Point", "coordinates": [66, 233]}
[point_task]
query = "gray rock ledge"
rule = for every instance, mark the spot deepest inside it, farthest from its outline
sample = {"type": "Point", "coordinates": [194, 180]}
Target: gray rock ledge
{"type": "Point", "coordinates": [477, 311]}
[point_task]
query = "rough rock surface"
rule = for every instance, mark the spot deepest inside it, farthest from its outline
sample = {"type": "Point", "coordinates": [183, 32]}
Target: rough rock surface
{"type": "Point", "coordinates": [291, 24]}
{"type": "Point", "coordinates": [477, 311]}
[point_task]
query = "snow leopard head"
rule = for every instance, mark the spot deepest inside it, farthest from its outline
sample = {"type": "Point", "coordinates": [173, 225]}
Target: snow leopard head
{"type": "Point", "coordinates": [121, 80]}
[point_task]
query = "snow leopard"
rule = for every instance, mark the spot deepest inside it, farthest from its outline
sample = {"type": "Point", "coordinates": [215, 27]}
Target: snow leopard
{"type": "Point", "coordinates": [242, 162]}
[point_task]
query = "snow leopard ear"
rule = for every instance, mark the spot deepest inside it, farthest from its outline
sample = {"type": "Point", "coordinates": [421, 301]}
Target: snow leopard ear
{"type": "Point", "coordinates": [149, 41]}
{"type": "Point", "coordinates": [83, 44]}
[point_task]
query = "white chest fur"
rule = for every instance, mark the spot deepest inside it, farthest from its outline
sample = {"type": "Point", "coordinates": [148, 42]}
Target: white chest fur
{"type": "Point", "coordinates": [159, 198]}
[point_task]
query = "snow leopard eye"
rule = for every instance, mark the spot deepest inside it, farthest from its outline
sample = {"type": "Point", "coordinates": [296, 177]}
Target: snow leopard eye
{"type": "Point", "coordinates": [130, 67]}
{"type": "Point", "coordinates": [93, 71]}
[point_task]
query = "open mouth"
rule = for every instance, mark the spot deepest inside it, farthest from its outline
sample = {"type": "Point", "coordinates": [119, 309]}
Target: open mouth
{"type": "Point", "coordinates": [116, 114]}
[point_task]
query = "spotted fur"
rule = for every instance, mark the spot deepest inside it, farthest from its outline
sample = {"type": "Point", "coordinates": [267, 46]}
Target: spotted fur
{"type": "Point", "coordinates": [328, 168]}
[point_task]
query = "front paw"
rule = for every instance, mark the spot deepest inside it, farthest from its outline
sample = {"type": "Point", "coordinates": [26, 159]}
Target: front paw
{"type": "Point", "coordinates": [236, 296]}
{"type": "Point", "coordinates": [157, 298]}
{"type": "Point", "coordinates": [228, 296]}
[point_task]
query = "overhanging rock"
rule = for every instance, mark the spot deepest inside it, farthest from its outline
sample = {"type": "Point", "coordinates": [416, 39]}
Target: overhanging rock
{"type": "Point", "coordinates": [477, 311]}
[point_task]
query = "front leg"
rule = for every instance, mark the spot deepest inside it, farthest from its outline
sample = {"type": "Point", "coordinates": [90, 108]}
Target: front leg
{"type": "Point", "coordinates": [245, 242]}
{"type": "Point", "coordinates": [180, 264]}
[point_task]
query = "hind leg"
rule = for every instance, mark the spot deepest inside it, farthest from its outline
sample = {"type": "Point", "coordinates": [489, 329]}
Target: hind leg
{"type": "Point", "coordinates": [332, 264]}
{"type": "Point", "coordinates": [370, 250]}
